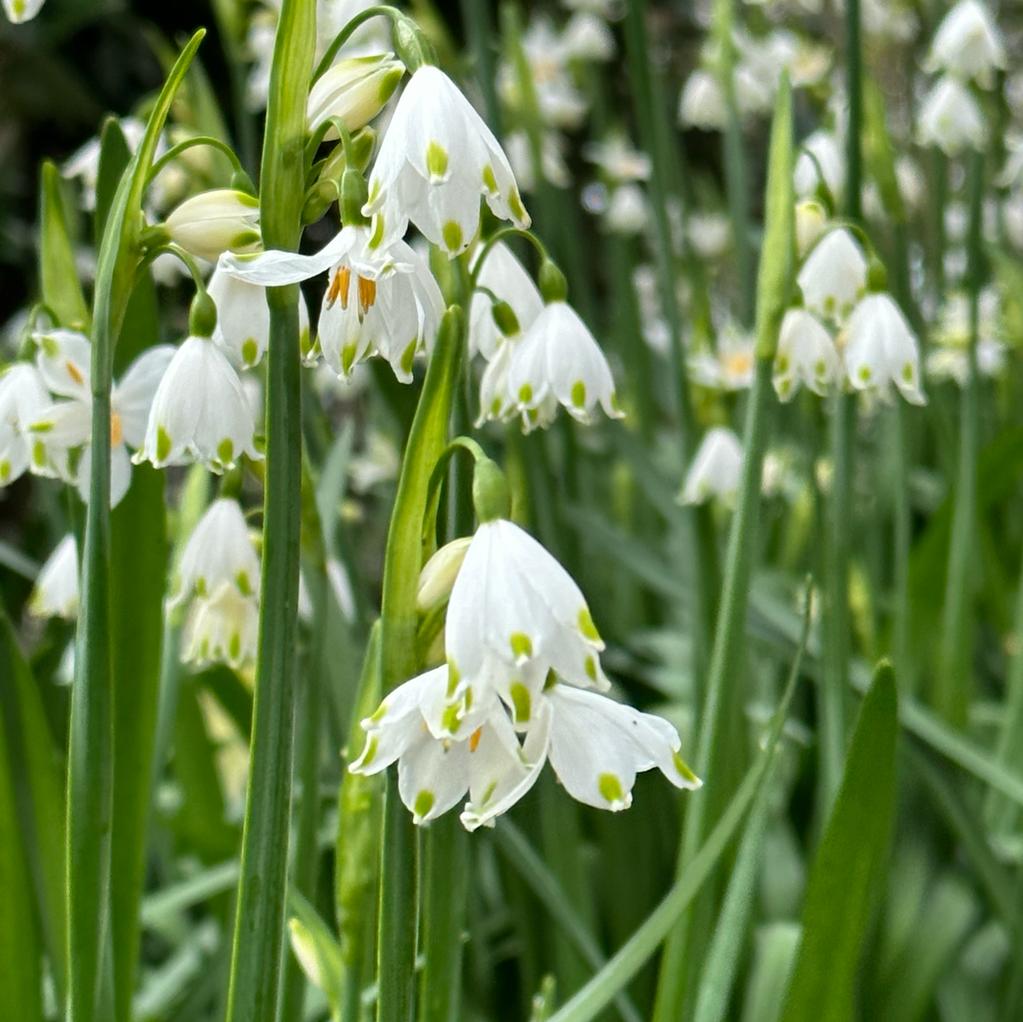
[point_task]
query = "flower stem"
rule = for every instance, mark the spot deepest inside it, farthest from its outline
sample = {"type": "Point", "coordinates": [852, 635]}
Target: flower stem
{"type": "Point", "coordinates": [262, 885]}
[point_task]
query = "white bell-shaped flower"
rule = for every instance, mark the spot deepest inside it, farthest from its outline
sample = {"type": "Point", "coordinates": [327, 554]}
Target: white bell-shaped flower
{"type": "Point", "coordinates": [587, 37]}
{"type": "Point", "coordinates": [200, 412]}
{"type": "Point", "coordinates": [598, 745]}
{"type": "Point", "coordinates": [436, 160]}
{"type": "Point", "coordinates": [514, 615]}
{"type": "Point", "coordinates": [55, 593]}
{"type": "Point", "coordinates": [503, 276]}
{"type": "Point", "coordinates": [216, 221]}
{"type": "Point", "coordinates": [353, 90]}
{"type": "Point", "coordinates": [23, 395]}
{"type": "Point", "coordinates": [834, 276]}
{"type": "Point", "coordinates": [65, 426]}
{"type": "Point", "coordinates": [19, 11]}
{"type": "Point", "coordinates": [806, 355]}
{"type": "Point", "coordinates": [558, 361]}
{"type": "Point", "coordinates": [221, 628]}
{"type": "Point", "coordinates": [968, 44]}
{"type": "Point", "coordinates": [219, 552]}
{"type": "Point", "coordinates": [880, 348]}
{"type": "Point", "coordinates": [618, 159]}
{"type": "Point", "coordinates": [820, 158]}
{"type": "Point", "coordinates": [702, 102]}
{"type": "Point", "coordinates": [243, 319]}
{"type": "Point", "coordinates": [951, 118]}
{"type": "Point", "coordinates": [716, 469]}
{"type": "Point", "coordinates": [627, 212]}
{"type": "Point", "coordinates": [732, 363]}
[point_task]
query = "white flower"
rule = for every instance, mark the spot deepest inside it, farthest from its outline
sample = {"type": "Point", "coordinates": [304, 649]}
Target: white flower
{"type": "Point", "coordinates": [617, 158]}
{"type": "Point", "coordinates": [221, 628]}
{"type": "Point", "coordinates": [587, 37]}
{"type": "Point", "coordinates": [66, 425]}
{"type": "Point", "coordinates": [967, 44]}
{"type": "Point", "coordinates": [219, 552]}
{"type": "Point", "coordinates": [514, 615]}
{"type": "Point", "coordinates": [439, 573]}
{"type": "Point", "coordinates": [951, 118]}
{"type": "Point", "coordinates": [954, 363]}
{"type": "Point", "coordinates": [806, 355]}
{"type": "Point", "coordinates": [504, 276]}
{"type": "Point", "coordinates": [243, 318]}
{"type": "Point", "coordinates": [55, 593]}
{"type": "Point", "coordinates": [834, 276]}
{"type": "Point", "coordinates": [436, 160]}
{"type": "Point", "coordinates": [557, 361]}
{"type": "Point", "coordinates": [881, 348]}
{"type": "Point", "coordinates": [553, 168]}
{"type": "Point", "coordinates": [716, 469]}
{"type": "Point", "coordinates": [200, 412]}
{"type": "Point", "coordinates": [19, 11]}
{"type": "Point", "coordinates": [820, 157]}
{"type": "Point", "coordinates": [353, 90]}
{"type": "Point", "coordinates": [627, 211]}
{"type": "Point", "coordinates": [23, 395]}
{"type": "Point", "coordinates": [731, 365]}
{"type": "Point", "coordinates": [216, 221]}
{"type": "Point", "coordinates": [708, 233]}
{"type": "Point", "coordinates": [702, 103]}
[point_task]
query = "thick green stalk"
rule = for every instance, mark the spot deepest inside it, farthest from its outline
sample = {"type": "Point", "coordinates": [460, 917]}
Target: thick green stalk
{"type": "Point", "coordinates": [90, 767]}
{"type": "Point", "coordinates": [396, 947]}
{"type": "Point", "coordinates": [954, 679]}
{"type": "Point", "coordinates": [262, 885]}
{"type": "Point", "coordinates": [724, 692]}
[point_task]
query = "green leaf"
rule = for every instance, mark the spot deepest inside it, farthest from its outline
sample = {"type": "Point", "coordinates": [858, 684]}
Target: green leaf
{"type": "Point", "coordinates": [776, 947]}
{"type": "Point", "coordinates": [59, 285]}
{"type": "Point", "coordinates": [317, 950]}
{"type": "Point", "coordinates": [847, 869]}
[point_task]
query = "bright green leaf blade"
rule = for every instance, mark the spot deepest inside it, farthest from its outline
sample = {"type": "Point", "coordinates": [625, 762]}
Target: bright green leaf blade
{"type": "Point", "coordinates": [58, 275]}
{"type": "Point", "coordinates": [776, 947]}
{"type": "Point", "coordinates": [847, 867]}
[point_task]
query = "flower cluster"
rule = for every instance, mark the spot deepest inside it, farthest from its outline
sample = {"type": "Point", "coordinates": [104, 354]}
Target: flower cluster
{"type": "Point", "coordinates": [521, 684]}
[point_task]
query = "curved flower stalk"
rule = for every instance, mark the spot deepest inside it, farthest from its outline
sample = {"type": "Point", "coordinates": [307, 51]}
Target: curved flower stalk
{"type": "Point", "coordinates": [64, 427]}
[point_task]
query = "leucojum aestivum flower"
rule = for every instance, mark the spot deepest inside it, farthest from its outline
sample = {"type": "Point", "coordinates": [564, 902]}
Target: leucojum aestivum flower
{"type": "Point", "coordinates": [481, 495]}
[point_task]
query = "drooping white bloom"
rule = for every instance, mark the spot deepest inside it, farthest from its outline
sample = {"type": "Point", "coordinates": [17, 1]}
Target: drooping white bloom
{"type": "Point", "coordinates": [954, 363]}
{"type": "Point", "coordinates": [558, 361]}
{"type": "Point", "coordinates": [820, 158]}
{"type": "Point", "coordinates": [514, 615]}
{"type": "Point", "coordinates": [216, 221]}
{"type": "Point", "coordinates": [731, 365]}
{"type": "Point", "coordinates": [627, 212]}
{"type": "Point", "coordinates": [880, 348]}
{"type": "Point", "coordinates": [55, 593]}
{"type": "Point", "coordinates": [219, 552]}
{"type": "Point", "coordinates": [806, 355]}
{"type": "Point", "coordinates": [553, 167]}
{"type": "Point", "coordinates": [716, 469]}
{"type": "Point", "coordinates": [702, 102]}
{"type": "Point", "coordinates": [63, 361]}
{"type": "Point", "coordinates": [587, 37]}
{"type": "Point", "coordinates": [243, 319]}
{"type": "Point", "coordinates": [968, 44]}
{"type": "Point", "coordinates": [504, 276]}
{"type": "Point", "coordinates": [709, 233]}
{"type": "Point", "coordinates": [436, 160]}
{"type": "Point", "coordinates": [618, 159]}
{"type": "Point", "coordinates": [353, 90]}
{"type": "Point", "coordinates": [221, 629]}
{"type": "Point", "coordinates": [951, 119]}
{"type": "Point", "coordinates": [200, 412]}
{"type": "Point", "coordinates": [19, 11]}
{"type": "Point", "coordinates": [811, 222]}
{"type": "Point", "coordinates": [23, 395]}
{"type": "Point", "coordinates": [834, 276]}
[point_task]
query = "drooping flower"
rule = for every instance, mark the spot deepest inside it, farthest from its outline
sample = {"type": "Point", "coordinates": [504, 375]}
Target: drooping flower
{"type": "Point", "coordinates": [353, 90]}
{"type": "Point", "coordinates": [968, 44]}
{"type": "Point", "coordinates": [716, 469]}
{"type": "Point", "coordinates": [19, 11]}
{"type": "Point", "coordinates": [219, 552]}
{"type": "Point", "coordinates": [834, 276]}
{"type": "Point", "coordinates": [437, 159]}
{"type": "Point", "coordinates": [586, 36]}
{"type": "Point", "coordinates": [821, 159]}
{"type": "Point", "coordinates": [618, 159]}
{"type": "Point", "coordinates": [880, 348]}
{"type": "Point", "coordinates": [503, 276]}
{"type": "Point", "coordinates": [627, 211]}
{"type": "Point", "coordinates": [200, 412]}
{"type": "Point", "coordinates": [55, 593]}
{"type": "Point", "coordinates": [23, 396]}
{"type": "Point", "coordinates": [806, 355]}
{"type": "Point", "coordinates": [216, 221]}
{"type": "Point", "coordinates": [951, 119]}
{"type": "Point", "coordinates": [221, 629]}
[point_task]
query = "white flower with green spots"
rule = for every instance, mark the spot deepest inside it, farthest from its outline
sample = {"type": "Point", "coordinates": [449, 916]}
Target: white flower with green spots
{"type": "Point", "coordinates": [715, 470]}
{"type": "Point", "coordinates": [200, 412]}
{"type": "Point", "coordinates": [951, 118]}
{"type": "Point", "coordinates": [23, 396]}
{"type": "Point", "coordinates": [354, 91]}
{"type": "Point", "coordinates": [222, 629]}
{"type": "Point", "coordinates": [806, 355]}
{"type": "Point", "coordinates": [62, 430]}
{"type": "Point", "coordinates": [55, 593]}
{"type": "Point", "coordinates": [880, 349]}
{"type": "Point", "coordinates": [502, 278]}
{"type": "Point", "coordinates": [19, 11]}
{"type": "Point", "coordinates": [219, 552]}
{"type": "Point", "coordinates": [437, 159]}
{"type": "Point", "coordinates": [968, 44]}
{"type": "Point", "coordinates": [556, 362]}
{"type": "Point", "coordinates": [220, 220]}
{"type": "Point", "coordinates": [834, 276]}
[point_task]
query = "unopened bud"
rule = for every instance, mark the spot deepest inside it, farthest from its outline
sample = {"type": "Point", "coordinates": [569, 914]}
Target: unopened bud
{"type": "Point", "coordinates": [319, 199]}
{"type": "Point", "coordinates": [877, 276]}
{"type": "Point", "coordinates": [811, 219]}
{"type": "Point", "coordinates": [214, 222]}
{"type": "Point", "coordinates": [505, 319]}
{"type": "Point", "coordinates": [354, 91]}
{"type": "Point", "coordinates": [438, 575]}
{"type": "Point", "coordinates": [552, 283]}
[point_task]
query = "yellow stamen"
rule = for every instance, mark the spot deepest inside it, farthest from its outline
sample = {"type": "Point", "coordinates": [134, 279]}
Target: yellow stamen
{"type": "Point", "coordinates": [74, 372]}
{"type": "Point", "coordinates": [339, 287]}
{"type": "Point", "coordinates": [474, 739]}
{"type": "Point", "coordinates": [116, 430]}
{"type": "Point", "coordinates": [367, 294]}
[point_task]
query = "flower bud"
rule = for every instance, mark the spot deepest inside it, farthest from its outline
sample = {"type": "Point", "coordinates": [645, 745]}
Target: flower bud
{"type": "Point", "coordinates": [505, 319]}
{"type": "Point", "coordinates": [202, 316]}
{"type": "Point", "coordinates": [811, 219]}
{"type": "Point", "coordinates": [551, 280]}
{"type": "Point", "coordinates": [353, 197]}
{"type": "Point", "coordinates": [490, 494]}
{"type": "Point", "coordinates": [319, 199]}
{"type": "Point", "coordinates": [214, 222]}
{"type": "Point", "coordinates": [354, 91]}
{"type": "Point", "coordinates": [439, 573]}
{"type": "Point", "coordinates": [412, 45]}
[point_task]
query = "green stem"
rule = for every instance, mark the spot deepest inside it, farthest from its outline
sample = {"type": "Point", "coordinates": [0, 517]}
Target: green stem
{"type": "Point", "coordinates": [901, 512]}
{"type": "Point", "coordinates": [955, 681]}
{"type": "Point", "coordinates": [396, 948]}
{"type": "Point", "coordinates": [262, 885]}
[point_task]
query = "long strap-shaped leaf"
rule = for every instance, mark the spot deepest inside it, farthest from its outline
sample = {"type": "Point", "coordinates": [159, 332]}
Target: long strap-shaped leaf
{"type": "Point", "coordinates": [848, 865]}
